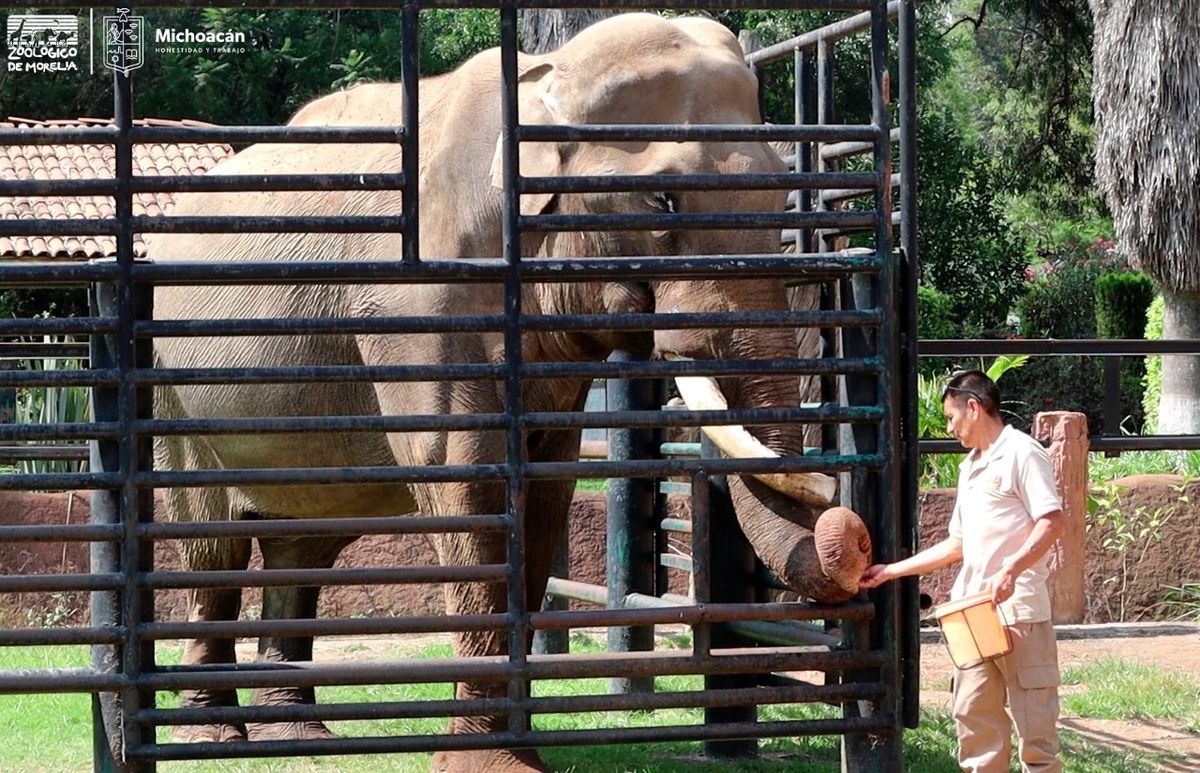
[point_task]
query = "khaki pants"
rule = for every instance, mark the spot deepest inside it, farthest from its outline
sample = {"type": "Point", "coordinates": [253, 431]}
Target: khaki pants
{"type": "Point", "coordinates": [1028, 677]}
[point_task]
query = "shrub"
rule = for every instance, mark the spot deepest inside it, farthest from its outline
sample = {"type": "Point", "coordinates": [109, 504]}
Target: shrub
{"type": "Point", "coordinates": [1121, 302]}
{"type": "Point", "coordinates": [1152, 392]}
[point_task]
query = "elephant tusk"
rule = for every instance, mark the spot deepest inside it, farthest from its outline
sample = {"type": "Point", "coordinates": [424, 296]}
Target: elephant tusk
{"type": "Point", "coordinates": [702, 393]}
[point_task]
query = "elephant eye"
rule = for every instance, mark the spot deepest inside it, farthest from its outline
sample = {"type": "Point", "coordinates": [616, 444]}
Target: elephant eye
{"type": "Point", "coordinates": [666, 202]}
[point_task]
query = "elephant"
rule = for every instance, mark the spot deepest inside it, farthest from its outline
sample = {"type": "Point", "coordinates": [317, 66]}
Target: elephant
{"type": "Point", "coordinates": [633, 68]}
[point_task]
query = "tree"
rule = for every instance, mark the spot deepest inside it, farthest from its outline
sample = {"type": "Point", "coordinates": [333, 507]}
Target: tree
{"type": "Point", "coordinates": [1146, 90]}
{"type": "Point", "coordinates": [545, 30]}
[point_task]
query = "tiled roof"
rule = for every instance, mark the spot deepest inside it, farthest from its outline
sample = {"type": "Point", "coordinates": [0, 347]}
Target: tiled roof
{"type": "Point", "coordinates": [72, 162]}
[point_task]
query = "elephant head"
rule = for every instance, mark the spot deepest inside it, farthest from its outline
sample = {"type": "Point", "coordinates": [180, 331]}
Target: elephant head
{"type": "Point", "coordinates": [696, 76]}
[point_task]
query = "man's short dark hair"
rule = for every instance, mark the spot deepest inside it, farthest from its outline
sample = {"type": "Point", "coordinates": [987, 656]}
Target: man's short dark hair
{"type": "Point", "coordinates": [973, 384]}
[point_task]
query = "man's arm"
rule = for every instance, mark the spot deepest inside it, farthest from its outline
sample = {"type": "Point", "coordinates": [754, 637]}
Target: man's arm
{"type": "Point", "coordinates": [1046, 530]}
{"type": "Point", "coordinates": [944, 553]}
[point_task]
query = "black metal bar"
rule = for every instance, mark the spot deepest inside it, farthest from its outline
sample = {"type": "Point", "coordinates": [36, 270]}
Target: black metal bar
{"type": "Point", "coordinates": [327, 627]}
{"type": "Point", "coordinates": [465, 270]}
{"type": "Point", "coordinates": [68, 431]}
{"type": "Point", "coordinates": [799, 180]}
{"type": "Point", "coordinates": [730, 563]}
{"type": "Point", "coordinates": [910, 522]}
{"type": "Point", "coordinates": [700, 221]}
{"type": "Point", "coordinates": [54, 274]}
{"type": "Point", "coordinates": [842, 150]}
{"type": "Point", "coordinates": [245, 135]}
{"type": "Point", "coordinates": [313, 527]}
{"type": "Point", "coordinates": [828, 34]}
{"type": "Point", "coordinates": [174, 224]}
{"type": "Point", "coordinates": [428, 743]}
{"type": "Point", "coordinates": [13, 350]}
{"type": "Point", "coordinates": [50, 583]}
{"type": "Point", "coordinates": [94, 377]}
{"type": "Point", "coordinates": [221, 183]}
{"type": "Point", "coordinates": [1110, 347]}
{"type": "Point", "coordinates": [58, 135]}
{"type": "Point", "coordinates": [59, 680]}
{"type": "Point", "coordinates": [516, 452]}
{"type": "Point", "coordinates": [829, 5]}
{"type": "Point", "coordinates": [57, 326]}
{"type": "Point", "coordinates": [630, 534]}
{"type": "Point", "coordinates": [804, 96]}
{"type": "Point", "coordinates": [58, 481]}
{"type": "Point", "coordinates": [410, 203]}
{"type": "Point", "coordinates": [698, 133]}
{"type": "Point", "coordinates": [24, 637]}
{"type": "Point", "coordinates": [78, 453]}
{"type": "Point", "coordinates": [275, 578]}
{"type": "Point", "coordinates": [60, 533]}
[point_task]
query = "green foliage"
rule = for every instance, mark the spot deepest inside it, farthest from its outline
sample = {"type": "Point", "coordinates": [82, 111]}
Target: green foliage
{"type": "Point", "coordinates": [1060, 303]}
{"type": "Point", "coordinates": [1122, 299]}
{"type": "Point", "coordinates": [1152, 394]}
{"type": "Point", "coordinates": [1129, 533]}
{"type": "Point", "coordinates": [1102, 469]}
{"type": "Point", "coordinates": [52, 405]}
{"type": "Point", "coordinates": [1182, 603]}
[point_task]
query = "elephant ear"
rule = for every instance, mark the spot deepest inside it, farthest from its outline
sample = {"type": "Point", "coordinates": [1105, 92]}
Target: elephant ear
{"type": "Point", "coordinates": [538, 159]}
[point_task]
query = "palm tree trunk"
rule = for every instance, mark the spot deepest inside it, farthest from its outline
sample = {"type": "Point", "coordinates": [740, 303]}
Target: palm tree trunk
{"type": "Point", "coordinates": [1179, 409]}
{"type": "Point", "coordinates": [545, 30]}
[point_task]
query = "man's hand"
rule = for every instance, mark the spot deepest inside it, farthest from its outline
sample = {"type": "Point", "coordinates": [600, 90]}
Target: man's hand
{"type": "Point", "coordinates": [876, 575]}
{"type": "Point", "coordinates": [1002, 583]}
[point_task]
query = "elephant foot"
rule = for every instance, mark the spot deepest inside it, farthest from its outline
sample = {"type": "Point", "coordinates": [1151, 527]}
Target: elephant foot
{"type": "Point", "coordinates": [843, 547]}
{"type": "Point", "coordinates": [290, 731]}
{"type": "Point", "coordinates": [489, 761]}
{"type": "Point", "coordinates": [208, 733]}
{"type": "Point", "coordinates": [307, 730]}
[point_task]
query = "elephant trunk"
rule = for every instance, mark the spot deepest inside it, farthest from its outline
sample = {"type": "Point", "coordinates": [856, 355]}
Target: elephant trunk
{"type": "Point", "coordinates": [820, 553]}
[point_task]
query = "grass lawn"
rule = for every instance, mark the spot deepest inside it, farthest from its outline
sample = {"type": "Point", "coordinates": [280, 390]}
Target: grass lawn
{"type": "Point", "coordinates": [53, 732]}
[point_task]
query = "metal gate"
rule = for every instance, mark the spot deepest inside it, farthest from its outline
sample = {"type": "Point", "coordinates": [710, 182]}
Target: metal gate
{"type": "Point", "coordinates": [867, 370]}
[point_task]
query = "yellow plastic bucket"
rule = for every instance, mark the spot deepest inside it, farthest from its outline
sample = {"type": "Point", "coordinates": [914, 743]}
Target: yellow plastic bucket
{"type": "Point", "coordinates": [974, 629]}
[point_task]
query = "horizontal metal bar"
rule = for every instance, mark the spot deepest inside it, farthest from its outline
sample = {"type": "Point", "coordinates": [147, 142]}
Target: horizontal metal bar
{"type": "Point", "coordinates": [86, 187]}
{"type": "Point", "coordinates": [838, 195]}
{"type": "Point", "coordinates": [227, 183]}
{"type": "Point", "coordinates": [679, 449]}
{"type": "Point", "coordinates": [672, 561]}
{"type": "Point", "coordinates": [1149, 443]}
{"type": "Point", "coordinates": [795, 693]}
{"type": "Point", "coordinates": [58, 680]}
{"type": "Point", "coordinates": [22, 637]}
{"type": "Point", "coordinates": [696, 133]}
{"type": "Point", "coordinates": [316, 527]}
{"type": "Point", "coordinates": [288, 476]}
{"type": "Point", "coordinates": [831, 5]}
{"type": "Point", "coordinates": [308, 674]}
{"type": "Point", "coordinates": [699, 221]}
{"type": "Point", "coordinates": [316, 373]}
{"type": "Point", "coordinates": [697, 182]}
{"type": "Point", "coordinates": [672, 467]}
{"type": "Point", "coordinates": [59, 481]}
{"type": "Point", "coordinates": [495, 322]}
{"type": "Point", "coordinates": [275, 578]}
{"type": "Point", "coordinates": [745, 416]}
{"type": "Point", "coordinates": [379, 626]}
{"type": "Point", "coordinates": [846, 149]}
{"type": "Point", "coordinates": [57, 135]}
{"type": "Point", "coordinates": [65, 431]}
{"type": "Point", "coordinates": [449, 422]}
{"type": "Point", "coordinates": [670, 487]}
{"type": "Point", "coordinates": [238, 135]}
{"type": "Point", "coordinates": [38, 378]}
{"type": "Point", "coordinates": [13, 350]}
{"type": "Point", "coordinates": [61, 533]}
{"type": "Point", "coordinates": [487, 371]}
{"type": "Point", "coordinates": [546, 738]}
{"type": "Point", "coordinates": [9, 453]}
{"type": "Point", "coordinates": [57, 325]}
{"type": "Point", "coordinates": [46, 226]}
{"type": "Point", "coordinates": [267, 224]}
{"type": "Point", "coordinates": [1111, 347]}
{"type": "Point", "coordinates": [48, 583]}
{"type": "Point", "coordinates": [492, 269]}
{"type": "Point", "coordinates": [676, 525]}
{"type": "Point", "coordinates": [24, 274]}
{"type": "Point", "coordinates": [828, 33]}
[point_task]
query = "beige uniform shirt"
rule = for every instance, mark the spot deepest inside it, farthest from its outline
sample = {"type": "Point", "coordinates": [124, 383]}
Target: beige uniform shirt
{"type": "Point", "coordinates": [1000, 494]}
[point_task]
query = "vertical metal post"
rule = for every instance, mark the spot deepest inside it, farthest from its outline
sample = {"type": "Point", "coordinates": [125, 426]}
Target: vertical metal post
{"type": "Point", "coordinates": [630, 554]}
{"type": "Point", "coordinates": [410, 58]}
{"type": "Point", "coordinates": [1112, 400]}
{"type": "Point", "coordinates": [804, 97]}
{"type": "Point", "coordinates": [731, 567]}
{"type": "Point", "coordinates": [517, 455]}
{"type": "Point", "coordinates": [910, 521]}
{"type": "Point", "coordinates": [117, 737]}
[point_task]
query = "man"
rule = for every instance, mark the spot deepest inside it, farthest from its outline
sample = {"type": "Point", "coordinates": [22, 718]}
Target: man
{"type": "Point", "coordinates": [1006, 517]}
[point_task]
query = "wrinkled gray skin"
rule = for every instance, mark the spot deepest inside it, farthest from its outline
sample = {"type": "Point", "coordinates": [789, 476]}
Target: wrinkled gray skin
{"type": "Point", "coordinates": [630, 69]}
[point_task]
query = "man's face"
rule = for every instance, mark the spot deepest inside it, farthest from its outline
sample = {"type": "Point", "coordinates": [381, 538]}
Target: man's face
{"type": "Point", "coordinates": [962, 419]}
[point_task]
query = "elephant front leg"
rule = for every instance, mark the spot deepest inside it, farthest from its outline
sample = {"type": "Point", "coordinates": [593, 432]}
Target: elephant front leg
{"type": "Point", "coordinates": [295, 603]}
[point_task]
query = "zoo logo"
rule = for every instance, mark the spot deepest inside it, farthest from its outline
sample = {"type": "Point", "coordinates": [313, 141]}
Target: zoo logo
{"type": "Point", "coordinates": [39, 43]}
{"type": "Point", "coordinates": [123, 41]}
